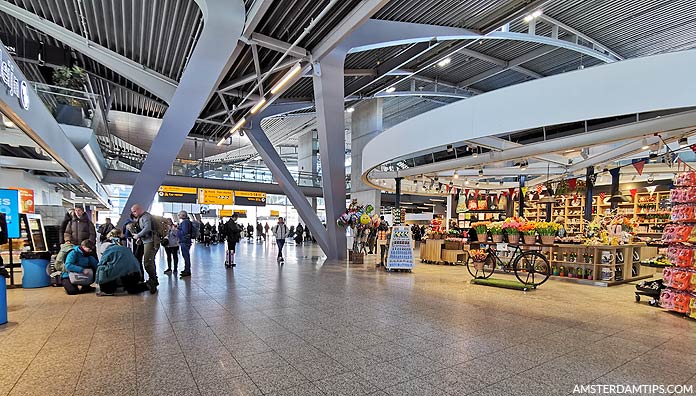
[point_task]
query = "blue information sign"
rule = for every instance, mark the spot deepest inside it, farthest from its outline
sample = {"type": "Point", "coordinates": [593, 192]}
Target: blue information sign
{"type": "Point", "coordinates": [9, 205]}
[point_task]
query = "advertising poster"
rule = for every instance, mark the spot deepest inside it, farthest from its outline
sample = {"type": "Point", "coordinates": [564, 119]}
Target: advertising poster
{"type": "Point", "coordinates": [400, 249]}
{"type": "Point", "coordinates": [9, 205]}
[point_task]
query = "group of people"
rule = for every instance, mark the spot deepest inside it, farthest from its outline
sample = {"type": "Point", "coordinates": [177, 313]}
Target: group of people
{"type": "Point", "coordinates": [111, 257]}
{"type": "Point", "coordinates": [299, 234]}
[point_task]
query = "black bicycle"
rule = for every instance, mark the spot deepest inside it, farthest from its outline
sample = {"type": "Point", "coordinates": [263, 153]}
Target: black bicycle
{"type": "Point", "coordinates": [530, 266]}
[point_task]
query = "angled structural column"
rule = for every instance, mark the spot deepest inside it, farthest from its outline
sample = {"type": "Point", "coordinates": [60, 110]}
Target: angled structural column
{"type": "Point", "coordinates": [209, 62]}
{"type": "Point", "coordinates": [280, 172]}
{"type": "Point", "coordinates": [328, 94]}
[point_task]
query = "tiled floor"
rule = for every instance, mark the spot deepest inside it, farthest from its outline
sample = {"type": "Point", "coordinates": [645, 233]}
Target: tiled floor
{"type": "Point", "coordinates": [310, 328]}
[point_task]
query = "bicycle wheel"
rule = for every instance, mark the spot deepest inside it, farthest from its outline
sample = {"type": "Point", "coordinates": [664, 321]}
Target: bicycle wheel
{"type": "Point", "coordinates": [532, 268]}
{"type": "Point", "coordinates": [482, 272]}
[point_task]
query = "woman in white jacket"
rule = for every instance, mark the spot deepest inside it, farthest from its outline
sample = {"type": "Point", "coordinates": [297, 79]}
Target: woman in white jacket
{"type": "Point", "coordinates": [280, 231]}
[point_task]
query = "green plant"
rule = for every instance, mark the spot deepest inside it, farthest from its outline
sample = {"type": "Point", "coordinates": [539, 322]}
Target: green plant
{"type": "Point", "coordinates": [547, 228]}
{"type": "Point", "coordinates": [481, 227]}
{"type": "Point", "coordinates": [70, 78]}
{"type": "Point", "coordinates": [496, 228]}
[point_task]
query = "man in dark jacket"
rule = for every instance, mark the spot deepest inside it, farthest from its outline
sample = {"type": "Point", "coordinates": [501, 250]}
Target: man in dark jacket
{"type": "Point", "coordinates": [81, 228]}
{"type": "Point", "coordinates": [250, 232]}
{"type": "Point", "coordinates": [147, 237]}
{"type": "Point", "coordinates": [105, 229]}
{"type": "Point", "coordinates": [233, 233]}
{"type": "Point", "coordinates": [185, 240]}
{"type": "Point", "coordinates": [64, 224]}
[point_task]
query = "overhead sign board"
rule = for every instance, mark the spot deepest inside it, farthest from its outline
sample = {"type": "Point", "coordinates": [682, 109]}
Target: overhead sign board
{"type": "Point", "coordinates": [275, 213]}
{"type": "Point", "coordinates": [9, 205]}
{"type": "Point", "coordinates": [210, 196]}
{"type": "Point", "coordinates": [241, 213]}
{"type": "Point", "coordinates": [11, 80]}
{"type": "Point", "coordinates": [225, 212]}
{"type": "Point", "coordinates": [249, 198]}
{"type": "Point", "coordinates": [177, 194]}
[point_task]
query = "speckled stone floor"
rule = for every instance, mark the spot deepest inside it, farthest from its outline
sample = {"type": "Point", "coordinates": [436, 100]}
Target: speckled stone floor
{"type": "Point", "coordinates": [311, 328]}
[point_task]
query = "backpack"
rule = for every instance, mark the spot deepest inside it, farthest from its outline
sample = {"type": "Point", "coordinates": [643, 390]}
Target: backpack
{"type": "Point", "coordinates": [59, 263]}
{"type": "Point", "coordinates": [159, 227]}
{"type": "Point", "coordinates": [195, 230]}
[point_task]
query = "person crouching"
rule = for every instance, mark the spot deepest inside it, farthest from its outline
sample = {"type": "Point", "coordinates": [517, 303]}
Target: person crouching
{"type": "Point", "coordinates": [118, 266]}
{"type": "Point", "coordinates": [80, 266]}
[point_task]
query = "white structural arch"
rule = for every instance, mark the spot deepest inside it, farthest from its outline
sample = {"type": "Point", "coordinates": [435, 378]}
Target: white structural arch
{"type": "Point", "coordinates": [634, 86]}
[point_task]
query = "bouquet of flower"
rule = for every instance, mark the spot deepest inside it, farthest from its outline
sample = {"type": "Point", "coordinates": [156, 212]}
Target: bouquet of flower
{"type": "Point", "coordinates": [496, 228]}
{"type": "Point", "coordinates": [481, 227]}
{"type": "Point", "coordinates": [627, 224]}
{"type": "Point", "coordinates": [547, 228]}
{"type": "Point", "coordinates": [478, 254]}
{"type": "Point", "coordinates": [528, 228]}
{"type": "Point", "coordinates": [512, 225]}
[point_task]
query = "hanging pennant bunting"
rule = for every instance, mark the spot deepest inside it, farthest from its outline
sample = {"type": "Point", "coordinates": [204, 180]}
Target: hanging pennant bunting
{"type": "Point", "coordinates": [572, 183]}
{"type": "Point", "coordinates": [651, 189]}
{"type": "Point", "coordinates": [524, 190]}
{"type": "Point", "coordinates": [693, 148]}
{"type": "Point", "coordinates": [539, 188]}
{"type": "Point", "coordinates": [602, 195]}
{"type": "Point", "coordinates": [639, 165]}
{"type": "Point", "coordinates": [634, 191]}
{"type": "Point", "coordinates": [511, 191]}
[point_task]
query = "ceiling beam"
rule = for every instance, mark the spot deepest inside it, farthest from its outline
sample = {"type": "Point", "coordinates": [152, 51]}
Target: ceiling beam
{"type": "Point", "coordinates": [252, 76]}
{"type": "Point", "coordinates": [500, 62]}
{"type": "Point", "coordinates": [595, 44]}
{"type": "Point", "coordinates": [160, 85]}
{"type": "Point", "coordinates": [279, 46]}
{"type": "Point", "coordinates": [509, 65]}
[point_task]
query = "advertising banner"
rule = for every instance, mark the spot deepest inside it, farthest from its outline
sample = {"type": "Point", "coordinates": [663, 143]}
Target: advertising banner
{"type": "Point", "coordinates": [9, 205]}
{"type": "Point", "coordinates": [26, 199]}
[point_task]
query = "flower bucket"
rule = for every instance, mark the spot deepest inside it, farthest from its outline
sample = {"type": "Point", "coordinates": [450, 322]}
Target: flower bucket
{"type": "Point", "coordinates": [529, 239]}
{"type": "Point", "coordinates": [547, 239]}
{"type": "Point", "coordinates": [482, 237]}
{"type": "Point", "coordinates": [478, 265]}
{"type": "Point", "coordinates": [497, 238]}
{"type": "Point", "coordinates": [513, 238]}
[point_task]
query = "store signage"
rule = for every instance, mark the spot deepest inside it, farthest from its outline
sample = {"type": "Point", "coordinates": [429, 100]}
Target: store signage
{"type": "Point", "coordinates": [9, 205]}
{"type": "Point", "coordinates": [275, 213]}
{"type": "Point", "coordinates": [26, 199]}
{"type": "Point", "coordinates": [177, 194]}
{"type": "Point", "coordinates": [226, 212]}
{"type": "Point", "coordinates": [400, 249]}
{"type": "Point", "coordinates": [242, 214]}
{"type": "Point", "coordinates": [249, 198]}
{"type": "Point", "coordinates": [11, 81]}
{"type": "Point", "coordinates": [210, 196]}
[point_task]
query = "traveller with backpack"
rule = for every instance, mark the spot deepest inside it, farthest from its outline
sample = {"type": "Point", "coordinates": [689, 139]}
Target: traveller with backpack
{"type": "Point", "coordinates": [233, 233]}
{"type": "Point", "coordinates": [79, 269]}
{"type": "Point", "coordinates": [150, 241]}
{"type": "Point", "coordinates": [105, 229]}
{"type": "Point", "coordinates": [280, 231]}
{"type": "Point", "coordinates": [187, 234]}
{"type": "Point", "coordinates": [59, 263]}
{"type": "Point", "coordinates": [81, 228]}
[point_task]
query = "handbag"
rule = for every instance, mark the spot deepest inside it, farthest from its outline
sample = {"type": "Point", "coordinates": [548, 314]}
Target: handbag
{"type": "Point", "coordinates": [165, 242]}
{"type": "Point", "coordinates": [78, 278]}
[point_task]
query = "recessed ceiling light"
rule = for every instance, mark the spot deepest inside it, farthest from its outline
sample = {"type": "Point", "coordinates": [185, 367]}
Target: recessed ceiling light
{"type": "Point", "coordinates": [390, 89]}
{"type": "Point", "coordinates": [351, 109]}
{"type": "Point", "coordinates": [444, 62]}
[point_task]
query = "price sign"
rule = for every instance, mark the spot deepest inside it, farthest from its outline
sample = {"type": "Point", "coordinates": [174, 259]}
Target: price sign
{"type": "Point", "coordinates": [177, 194]}
{"type": "Point", "coordinates": [209, 196]}
{"type": "Point", "coordinates": [250, 198]}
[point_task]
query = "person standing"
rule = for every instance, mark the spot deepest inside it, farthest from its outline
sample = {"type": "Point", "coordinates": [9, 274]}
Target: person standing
{"type": "Point", "coordinates": [250, 232]}
{"type": "Point", "coordinates": [259, 232]}
{"type": "Point", "coordinates": [81, 228]}
{"type": "Point", "coordinates": [308, 235]}
{"type": "Point", "coordinates": [172, 247]}
{"type": "Point", "coordinates": [185, 233]}
{"type": "Point", "coordinates": [148, 239]}
{"type": "Point", "coordinates": [281, 233]}
{"type": "Point", "coordinates": [299, 234]}
{"type": "Point", "coordinates": [266, 227]}
{"type": "Point", "coordinates": [65, 223]}
{"type": "Point", "coordinates": [105, 229]}
{"type": "Point", "coordinates": [233, 233]}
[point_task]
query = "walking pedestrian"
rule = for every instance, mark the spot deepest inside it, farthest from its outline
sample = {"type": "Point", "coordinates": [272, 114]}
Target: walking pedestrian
{"type": "Point", "coordinates": [266, 228]}
{"type": "Point", "coordinates": [281, 233]}
{"type": "Point", "coordinates": [233, 233]}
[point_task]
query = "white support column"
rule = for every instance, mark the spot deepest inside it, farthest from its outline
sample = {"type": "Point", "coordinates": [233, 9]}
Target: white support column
{"type": "Point", "coordinates": [209, 62]}
{"type": "Point", "coordinates": [328, 94]}
{"type": "Point", "coordinates": [366, 123]}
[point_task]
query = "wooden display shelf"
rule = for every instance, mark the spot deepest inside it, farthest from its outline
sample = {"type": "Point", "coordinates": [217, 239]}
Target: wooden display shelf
{"type": "Point", "coordinates": [626, 265]}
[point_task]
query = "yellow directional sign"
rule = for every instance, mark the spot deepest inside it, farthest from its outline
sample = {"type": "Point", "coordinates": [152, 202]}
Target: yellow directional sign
{"type": "Point", "coordinates": [209, 196]}
{"type": "Point", "coordinates": [275, 213]}
{"type": "Point", "coordinates": [250, 198]}
{"type": "Point", "coordinates": [225, 212]}
{"type": "Point", "coordinates": [177, 194]}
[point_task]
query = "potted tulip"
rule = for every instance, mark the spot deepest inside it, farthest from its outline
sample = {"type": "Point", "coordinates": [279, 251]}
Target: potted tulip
{"type": "Point", "coordinates": [528, 231]}
{"type": "Point", "coordinates": [481, 228]}
{"type": "Point", "coordinates": [478, 256]}
{"type": "Point", "coordinates": [511, 226]}
{"type": "Point", "coordinates": [496, 229]}
{"type": "Point", "coordinates": [547, 231]}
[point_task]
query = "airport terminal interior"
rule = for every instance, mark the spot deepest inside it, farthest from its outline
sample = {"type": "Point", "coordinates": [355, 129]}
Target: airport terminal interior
{"type": "Point", "coordinates": [356, 197]}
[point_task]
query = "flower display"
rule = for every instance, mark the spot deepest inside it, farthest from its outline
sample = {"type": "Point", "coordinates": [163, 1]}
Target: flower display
{"type": "Point", "coordinates": [547, 228]}
{"type": "Point", "coordinates": [627, 224]}
{"type": "Point", "coordinates": [478, 254]}
{"type": "Point", "coordinates": [481, 227]}
{"type": "Point", "coordinates": [496, 228]}
{"type": "Point", "coordinates": [512, 225]}
{"type": "Point", "coordinates": [528, 228]}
